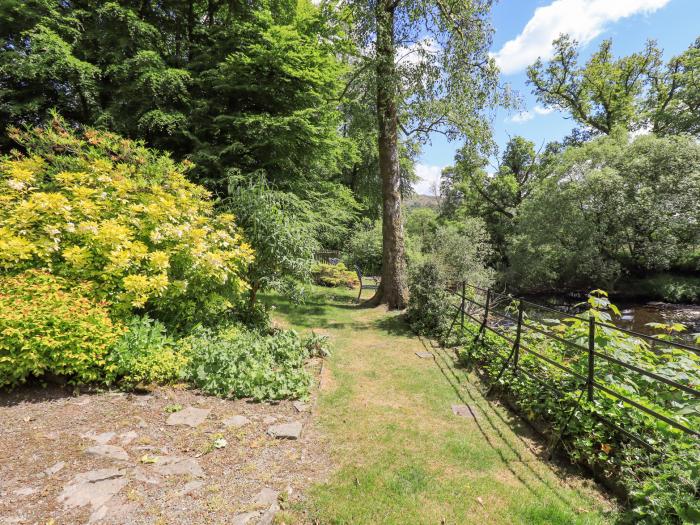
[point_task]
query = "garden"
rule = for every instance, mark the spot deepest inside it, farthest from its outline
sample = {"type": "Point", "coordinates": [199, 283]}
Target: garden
{"type": "Point", "coordinates": [241, 280]}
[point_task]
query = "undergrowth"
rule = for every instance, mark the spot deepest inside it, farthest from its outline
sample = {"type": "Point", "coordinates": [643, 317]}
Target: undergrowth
{"type": "Point", "coordinates": [660, 482]}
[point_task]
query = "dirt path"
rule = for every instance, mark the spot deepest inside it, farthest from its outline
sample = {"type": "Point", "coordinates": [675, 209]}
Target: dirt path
{"type": "Point", "coordinates": [404, 457]}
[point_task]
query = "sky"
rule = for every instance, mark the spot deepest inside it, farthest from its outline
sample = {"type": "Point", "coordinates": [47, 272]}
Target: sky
{"type": "Point", "coordinates": [525, 30]}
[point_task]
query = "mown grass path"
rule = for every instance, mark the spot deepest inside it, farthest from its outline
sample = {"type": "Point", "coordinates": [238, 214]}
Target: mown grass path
{"type": "Point", "coordinates": [402, 456]}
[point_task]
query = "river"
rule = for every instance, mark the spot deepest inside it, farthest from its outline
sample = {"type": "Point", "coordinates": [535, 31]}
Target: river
{"type": "Point", "coordinates": [636, 315]}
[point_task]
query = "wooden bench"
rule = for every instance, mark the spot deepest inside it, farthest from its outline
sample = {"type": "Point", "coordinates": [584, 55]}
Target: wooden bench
{"type": "Point", "coordinates": [377, 279]}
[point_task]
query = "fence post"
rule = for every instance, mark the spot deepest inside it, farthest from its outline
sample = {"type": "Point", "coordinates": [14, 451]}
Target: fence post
{"type": "Point", "coordinates": [461, 308]}
{"type": "Point", "coordinates": [591, 361]}
{"type": "Point", "coordinates": [516, 346]}
{"type": "Point", "coordinates": [482, 328]}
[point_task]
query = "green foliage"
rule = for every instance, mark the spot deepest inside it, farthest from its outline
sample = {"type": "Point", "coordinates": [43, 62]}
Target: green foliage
{"type": "Point", "coordinates": [672, 102]}
{"type": "Point", "coordinates": [318, 345]}
{"type": "Point", "coordinates": [364, 248]}
{"type": "Point", "coordinates": [462, 250]}
{"type": "Point", "coordinates": [420, 227]}
{"type": "Point", "coordinates": [275, 227]}
{"type": "Point", "coordinates": [334, 275]}
{"type": "Point", "coordinates": [247, 87]}
{"type": "Point", "coordinates": [285, 126]}
{"type": "Point", "coordinates": [92, 206]}
{"type": "Point", "coordinates": [663, 485]}
{"type": "Point", "coordinates": [629, 92]}
{"type": "Point", "coordinates": [441, 89]}
{"type": "Point", "coordinates": [240, 363]}
{"type": "Point", "coordinates": [428, 311]}
{"type": "Point", "coordinates": [667, 287]}
{"type": "Point", "coordinates": [469, 191]}
{"type": "Point", "coordinates": [49, 326]}
{"type": "Point", "coordinates": [620, 206]}
{"type": "Point", "coordinates": [144, 355]}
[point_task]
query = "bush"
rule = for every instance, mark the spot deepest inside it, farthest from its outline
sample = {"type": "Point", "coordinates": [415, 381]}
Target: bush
{"type": "Point", "coordinates": [364, 249]}
{"type": "Point", "coordinates": [278, 226]}
{"type": "Point", "coordinates": [239, 363]}
{"type": "Point", "coordinates": [334, 275]}
{"type": "Point", "coordinates": [99, 208]}
{"type": "Point", "coordinates": [144, 355]}
{"type": "Point", "coordinates": [461, 253]}
{"type": "Point", "coordinates": [662, 484]}
{"type": "Point", "coordinates": [428, 310]}
{"type": "Point", "coordinates": [49, 326]}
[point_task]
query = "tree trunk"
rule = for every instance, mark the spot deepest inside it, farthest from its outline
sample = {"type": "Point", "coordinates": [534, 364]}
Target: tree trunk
{"type": "Point", "coordinates": [393, 289]}
{"type": "Point", "coordinates": [253, 294]}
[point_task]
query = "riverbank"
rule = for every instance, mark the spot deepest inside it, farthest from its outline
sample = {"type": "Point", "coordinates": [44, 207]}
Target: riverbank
{"type": "Point", "coordinates": [663, 298]}
{"type": "Point", "coordinates": [666, 287]}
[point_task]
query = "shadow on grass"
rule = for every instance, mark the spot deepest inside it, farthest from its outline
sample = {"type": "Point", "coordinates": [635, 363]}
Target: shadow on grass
{"type": "Point", "coordinates": [395, 325]}
{"type": "Point", "coordinates": [320, 309]}
{"type": "Point", "coordinates": [491, 424]}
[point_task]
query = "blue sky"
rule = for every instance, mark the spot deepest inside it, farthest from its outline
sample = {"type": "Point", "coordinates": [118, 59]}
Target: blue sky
{"type": "Point", "coordinates": [525, 28]}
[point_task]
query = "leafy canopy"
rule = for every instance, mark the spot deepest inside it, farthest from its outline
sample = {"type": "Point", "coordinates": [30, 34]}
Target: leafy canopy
{"type": "Point", "coordinates": [632, 92]}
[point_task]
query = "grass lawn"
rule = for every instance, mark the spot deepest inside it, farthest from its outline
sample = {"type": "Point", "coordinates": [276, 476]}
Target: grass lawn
{"type": "Point", "coordinates": [402, 456]}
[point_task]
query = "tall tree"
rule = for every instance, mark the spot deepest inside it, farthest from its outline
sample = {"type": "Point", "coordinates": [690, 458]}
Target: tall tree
{"type": "Point", "coordinates": [673, 102]}
{"type": "Point", "coordinates": [238, 87]}
{"type": "Point", "coordinates": [432, 73]}
{"type": "Point", "coordinates": [632, 92]}
{"type": "Point", "coordinates": [496, 198]}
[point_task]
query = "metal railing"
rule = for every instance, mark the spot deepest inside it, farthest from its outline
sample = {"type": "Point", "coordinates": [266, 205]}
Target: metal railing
{"type": "Point", "coordinates": [512, 328]}
{"type": "Point", "coordinates": [327, 256]}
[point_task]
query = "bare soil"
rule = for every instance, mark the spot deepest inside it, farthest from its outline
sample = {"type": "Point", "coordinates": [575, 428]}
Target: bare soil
{"type": "Point", "coordinates": [45, 432]}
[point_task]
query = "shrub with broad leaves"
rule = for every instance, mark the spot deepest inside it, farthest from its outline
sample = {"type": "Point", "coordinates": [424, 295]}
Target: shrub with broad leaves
{"type": "Point", "coordinates": [145, 354]}
{"type": "Point", "coordinates": [237, 362]}
{"type": "Point", "coordinates": [428, 306]}
{"type": "Point", "coordinates": [662, 482]}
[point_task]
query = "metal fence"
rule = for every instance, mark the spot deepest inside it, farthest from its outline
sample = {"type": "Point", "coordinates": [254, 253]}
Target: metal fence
{"type": "Point", "coordinates": [512, 323]}
{"type": "Point", "coordinates": [328, 256]}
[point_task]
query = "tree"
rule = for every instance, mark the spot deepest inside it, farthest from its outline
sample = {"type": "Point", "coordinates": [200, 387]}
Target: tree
{"type": "Point", "coordinates": [633, 92]}
{"type": "Point", "coordinates": [611, 207]}
{"type": "Point", "coordinates": [236, 87]}
{"type": "Point", "coordinates": [496, 198]}
{"type": "Point", "coordinates": [432, 73]}
{"type": "Point", "coordinates": [270, 104]}
{"type": "Point", "coordinates": [602, 94]}
{"type": "Point", "coordinates": [360, 129]}
{"type": "Point", "coordinates": [673, 103]}
{"type": "Point", "coordinates": [275, 227]}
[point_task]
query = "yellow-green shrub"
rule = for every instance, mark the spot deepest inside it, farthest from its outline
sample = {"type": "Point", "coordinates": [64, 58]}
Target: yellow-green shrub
{"type": "Point", "coordinates": [49, 326]}
{"type": "Point", "coordinates": [145, 354]}
{"type": "Point", "coordinates": [96, 207]}
{"type": "Point", "coordinates": [334, 275]}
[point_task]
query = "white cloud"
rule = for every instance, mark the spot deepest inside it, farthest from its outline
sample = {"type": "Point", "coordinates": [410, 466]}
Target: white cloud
{"type": "Point", "coordinates": [521, 117]}
{"type": "Point", "coordinates": [582, 19]}
{"type": "Point", "coordinates": [541, 110]}
{"type": "Point", "coordinates": [429, 179]}
{"type": "Point", "coordinates": [417, 52]}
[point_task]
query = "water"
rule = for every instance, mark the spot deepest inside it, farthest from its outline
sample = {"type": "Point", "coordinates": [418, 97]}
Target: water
{"type": "Point", "coordinates": [636, 315]}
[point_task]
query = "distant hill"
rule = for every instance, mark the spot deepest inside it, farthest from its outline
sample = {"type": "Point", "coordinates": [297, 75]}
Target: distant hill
{"type": "Point", "coordinates": [422, 201]}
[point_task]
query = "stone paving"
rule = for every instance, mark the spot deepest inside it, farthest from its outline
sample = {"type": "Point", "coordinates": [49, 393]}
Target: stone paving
{"type": "Point", "coordinates": [121, 458]}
